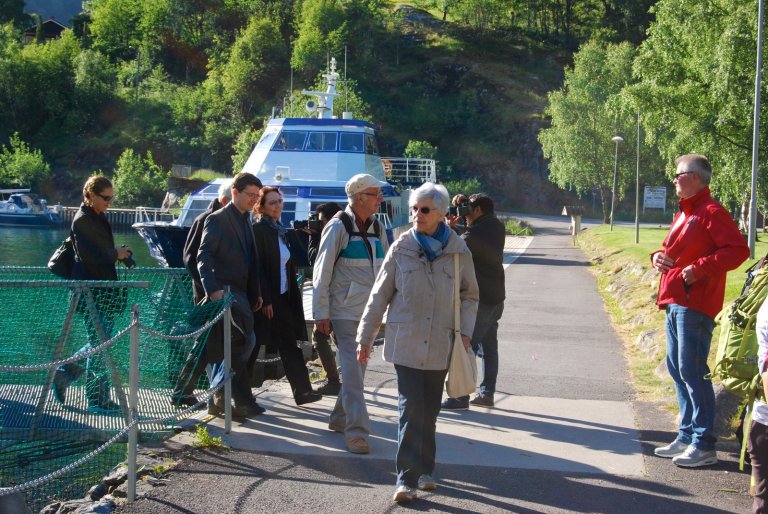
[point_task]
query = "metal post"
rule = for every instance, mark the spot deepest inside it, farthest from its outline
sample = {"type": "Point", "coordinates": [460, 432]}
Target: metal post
{"type": "Point", "coordinates": [227, 320]}
{"type": "Point", "coordinates": [637, 185]}
{"type": "Point", "coordinates": [133, 400]}
{"type": "Point", "coordinates": [617, 140]}
{"type": "Point", "coordinates": [755, 133]}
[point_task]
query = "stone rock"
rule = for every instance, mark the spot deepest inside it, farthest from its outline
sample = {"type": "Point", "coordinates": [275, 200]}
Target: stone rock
{"type": "Point", "coordinates": [661, 371]}
{"type": "Point", "coordinates": [727, 406]}
{"type": "Point", "coordinates": [96, 492]}
{"type": "Point", "coordinates": [142, 488]}
{"type": "Point", "coordinates": [117, 476]}
{"type": "Point", "coordinates": [650, 275]}
{"type": "Point", "coordinates": [69, 507]}
{"type": "Point", "coordinates": [648, 342]}
{"type": "Point", "coordinates": [103, 506]}
{"type": "Point", "coordinates": [51, 508]}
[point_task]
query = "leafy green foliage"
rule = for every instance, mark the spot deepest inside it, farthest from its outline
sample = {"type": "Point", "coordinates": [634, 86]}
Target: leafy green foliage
{"type": "Point", "coordinates": [420, 150]}
{"type": "Point", "coordinates": [21, 166]}
{"type": "Point", "coordinates": [467, 186]}
{"type": "Point", "coordinates": [203, 439]}
{"type": "Point", "coordinates": [139, 181]}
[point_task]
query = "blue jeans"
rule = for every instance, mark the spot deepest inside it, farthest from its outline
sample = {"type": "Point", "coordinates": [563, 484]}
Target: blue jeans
{"type": "Point", "coordinates": [418, 404]}
{"type": "Point", "coordinates": [689, 335]}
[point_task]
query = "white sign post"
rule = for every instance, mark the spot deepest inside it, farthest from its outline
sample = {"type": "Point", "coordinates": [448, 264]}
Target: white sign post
{"type": "Point", "coordinates": [655, 197]}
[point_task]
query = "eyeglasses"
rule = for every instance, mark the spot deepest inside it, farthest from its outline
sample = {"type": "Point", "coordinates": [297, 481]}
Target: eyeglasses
{"type": "Point", "coordinates": [371, 194]}
{"type": "Point", "coordinates": [275, 202]}
{"type": "Point", "coordinates": [423, 210]}
{"type": "Point", "coordinates": [106, 198]}
{"type": "Point", "coordinates": [678, 175]}
{"type": "Point", "coordinates": [251, 196]}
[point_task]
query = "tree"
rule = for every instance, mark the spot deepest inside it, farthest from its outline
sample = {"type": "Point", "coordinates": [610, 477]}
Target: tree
{"type": "Point", "coordinates": [243, 148]}
{"type": "Point", "coordinates": [13, 11]}
{"type": "Point", "coordinates": [139, 181]}
{"type": "Point", "coordinates": [586, 113]}
{"type": "Point", "coordinates": [21, 166]}
{"type": "Point", "coordinates": [420, 150]}
{"type": "Point", "coordinates": [256, 58]}
{"type": "Point", "coordinates": [321, 31]}
{"type": "Point", "coordinates": [696, 86]}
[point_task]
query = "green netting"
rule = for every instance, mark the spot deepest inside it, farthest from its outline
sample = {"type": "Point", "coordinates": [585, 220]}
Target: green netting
{"type": "Point", "coordinates": [75, 334]}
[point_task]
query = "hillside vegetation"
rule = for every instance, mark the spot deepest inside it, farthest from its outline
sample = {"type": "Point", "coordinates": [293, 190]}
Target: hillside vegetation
{"type": "Point", "coordinates": [192, 82]}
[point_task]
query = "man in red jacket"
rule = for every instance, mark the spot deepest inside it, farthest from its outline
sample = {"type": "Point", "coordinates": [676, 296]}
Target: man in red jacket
{"type": "Point", "coordinates": [702, 245]}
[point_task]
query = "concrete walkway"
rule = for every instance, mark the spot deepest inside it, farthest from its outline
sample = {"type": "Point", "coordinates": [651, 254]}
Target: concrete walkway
{"type": "Point", "coordinates": [565, 435]}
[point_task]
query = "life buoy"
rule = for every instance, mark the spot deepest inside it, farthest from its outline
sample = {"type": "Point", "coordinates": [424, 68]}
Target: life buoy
{"type": "Point", "coordinates": [387, 167]}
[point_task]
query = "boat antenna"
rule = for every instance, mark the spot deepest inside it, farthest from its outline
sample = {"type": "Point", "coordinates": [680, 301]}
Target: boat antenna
{"type": "Point", "coordinates": [346, 87]}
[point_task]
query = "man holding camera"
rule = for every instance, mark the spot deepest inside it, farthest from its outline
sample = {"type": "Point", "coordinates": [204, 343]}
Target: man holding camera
{"type": "Point", "coordinates": [322, 342]}
{"type": "Point", "coordinates": [485, 236]}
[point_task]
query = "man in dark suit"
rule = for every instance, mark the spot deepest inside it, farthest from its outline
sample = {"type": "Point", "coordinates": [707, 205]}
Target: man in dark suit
{"type": "Point", "coordinates": [197, 359]}
{"type": "Point", "coordinates": [228, 257]}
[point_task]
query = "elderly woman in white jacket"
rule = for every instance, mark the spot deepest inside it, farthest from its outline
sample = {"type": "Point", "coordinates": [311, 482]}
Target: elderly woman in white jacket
{"type": "Point", "coordinates": [416, 282]}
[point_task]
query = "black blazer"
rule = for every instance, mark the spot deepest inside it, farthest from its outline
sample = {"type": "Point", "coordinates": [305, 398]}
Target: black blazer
{"type": "Point", "coordinates": [191, 247]}
{"type": "Point", "coordinates": [267, 243]}
{"type": "Point", "coordinates": [223, 256]}
{"type": "Point", "coordinates": [95, 247]}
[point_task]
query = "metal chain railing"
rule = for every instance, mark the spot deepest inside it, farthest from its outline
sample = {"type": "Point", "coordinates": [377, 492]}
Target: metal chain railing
{"type": "Point", "coordinates": [134, 419]}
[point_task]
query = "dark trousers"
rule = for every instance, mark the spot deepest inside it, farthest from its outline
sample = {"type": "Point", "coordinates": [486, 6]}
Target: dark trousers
{"type": "Point", "coordinates": [283, 333]}
{"type": "Point", "coordinates": [758, 453]}
{"type": "Point", "coordinates": [419, 395]}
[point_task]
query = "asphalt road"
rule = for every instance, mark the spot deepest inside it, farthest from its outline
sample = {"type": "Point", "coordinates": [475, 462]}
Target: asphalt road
{"type": "Point", "coordinates": [566, 434]}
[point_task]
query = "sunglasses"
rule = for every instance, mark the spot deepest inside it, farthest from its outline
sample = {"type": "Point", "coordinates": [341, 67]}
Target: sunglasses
{"type": "Point", "coordinates": [423, 210]}
{"type": "Point", "coordinates": [106, 198]}
{"type": "Point", "coordinates": [683, 173]}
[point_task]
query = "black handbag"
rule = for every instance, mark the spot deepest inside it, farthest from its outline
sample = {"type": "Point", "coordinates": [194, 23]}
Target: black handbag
{"type": "Point", "coordinates": [62, 261]}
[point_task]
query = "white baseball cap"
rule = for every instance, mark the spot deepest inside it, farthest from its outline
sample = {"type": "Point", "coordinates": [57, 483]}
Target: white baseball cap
{"type": "Point", "coordinates": [360, 183]}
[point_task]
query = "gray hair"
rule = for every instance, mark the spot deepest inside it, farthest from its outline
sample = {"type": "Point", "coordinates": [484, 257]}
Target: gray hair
{"type": "Point", "coordinates": [431, 191]}
{"type": "Point", "coordinates": [225, 190]}
{"type": "Point", "coordinates": [697, 163]}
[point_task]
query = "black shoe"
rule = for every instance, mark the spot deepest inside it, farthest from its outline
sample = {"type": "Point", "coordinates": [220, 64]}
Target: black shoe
{"type": "Point", "coordinates": [308, 397]}
{"type": "Point", "coordinates": [330, 388]}
{"type": "Point", "coordinates": [482, 400]}
{"type": "Point", "coordinates": [455, 404]}
{"type": "Point", "coordinates": [249, 410]}
{"type": "Point", "coordinates": [184, 400]}
{"type": "Point", "coordinates": [63, 377]}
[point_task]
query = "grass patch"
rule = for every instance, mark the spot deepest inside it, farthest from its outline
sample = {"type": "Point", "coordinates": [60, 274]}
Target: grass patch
{"type": "Point", "coordinates": [629, 286]}
{"type": "Point", "coordinates": [517, 227]}
{"type": "Point", "coordinates": [207, 175]}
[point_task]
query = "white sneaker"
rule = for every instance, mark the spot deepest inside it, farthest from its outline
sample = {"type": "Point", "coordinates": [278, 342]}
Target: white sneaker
{"type": "Point", "coordinates": [427, 483]}
{"type": "Point", "coordinates": [694, 457]}
{"type": "Point", "coordinates": [673, 449]}
{"type": "Point", "coordinates": [403, 493]}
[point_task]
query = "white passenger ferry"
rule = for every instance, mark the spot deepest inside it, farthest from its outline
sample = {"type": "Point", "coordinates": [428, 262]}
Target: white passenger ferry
{"type": "Point", "coordinates": [310, 159]}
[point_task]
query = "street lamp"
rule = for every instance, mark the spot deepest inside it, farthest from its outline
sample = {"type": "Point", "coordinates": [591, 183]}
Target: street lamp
{"type": "Point", "coordinates": [617, 140]}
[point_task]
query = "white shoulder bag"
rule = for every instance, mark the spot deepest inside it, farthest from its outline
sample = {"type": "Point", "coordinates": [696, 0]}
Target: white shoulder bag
{"type": "Point", "coordinates": [462, 370]}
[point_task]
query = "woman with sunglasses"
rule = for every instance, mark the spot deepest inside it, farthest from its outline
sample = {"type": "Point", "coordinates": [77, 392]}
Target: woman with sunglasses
{"type": "Point", "coordinates": [281, 319]}
{"type": "Point", "coordinates": [416, 283]}
{"type": "Point", "coordinates": [95, 257]}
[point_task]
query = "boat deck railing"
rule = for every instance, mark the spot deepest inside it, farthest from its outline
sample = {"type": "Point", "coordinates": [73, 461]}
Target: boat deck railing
{"type": "Point", "coordinates": [125, 218]}
{"type": "Point", "coordinates": [409, 171]}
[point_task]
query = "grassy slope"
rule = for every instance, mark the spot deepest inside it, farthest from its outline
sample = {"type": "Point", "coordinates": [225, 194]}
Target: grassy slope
{"type": "Point", "coordinates": [621, 265]}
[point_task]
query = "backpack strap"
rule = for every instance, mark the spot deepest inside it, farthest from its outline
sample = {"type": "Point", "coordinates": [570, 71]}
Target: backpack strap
{"type": "Point", "coordinates": [352, 230]}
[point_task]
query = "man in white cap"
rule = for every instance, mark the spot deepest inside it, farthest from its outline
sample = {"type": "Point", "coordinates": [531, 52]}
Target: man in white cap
{"type": "Point", "coordinates": [351, 251]}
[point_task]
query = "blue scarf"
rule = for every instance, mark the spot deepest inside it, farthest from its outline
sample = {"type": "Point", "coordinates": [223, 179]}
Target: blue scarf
{"type": "Point", "coordinates": [433, 245]}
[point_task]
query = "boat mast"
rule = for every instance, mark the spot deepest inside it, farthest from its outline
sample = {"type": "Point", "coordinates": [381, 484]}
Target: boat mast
{"type": "Point", "coordinates": [325, 99]}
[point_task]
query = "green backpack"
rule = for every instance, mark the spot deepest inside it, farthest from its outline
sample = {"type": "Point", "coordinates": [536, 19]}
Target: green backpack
{"type": "Point", "coordinates": [736, 358]}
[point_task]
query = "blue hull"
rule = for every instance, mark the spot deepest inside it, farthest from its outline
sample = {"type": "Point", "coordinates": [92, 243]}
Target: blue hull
{"type": "Point", "coordinates": [30, 220]}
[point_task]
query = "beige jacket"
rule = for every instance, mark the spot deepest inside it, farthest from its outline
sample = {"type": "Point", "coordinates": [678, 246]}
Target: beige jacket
{"type": "Point", "coordinates": [419, 294]}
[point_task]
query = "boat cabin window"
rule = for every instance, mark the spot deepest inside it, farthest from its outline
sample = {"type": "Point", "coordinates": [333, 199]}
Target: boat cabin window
{"type": "Point", "coordinates": [266, 139]}
{"type": "Point", "coordinates": [351, 142]}
{"type": "Point", "coordinates": [337, 192]}
{"type": "Point", "coordinates": [290, 140]}
{"type": "Point", "coordinates": [370, 145]}
{"type": "Point", "coordinates": [322, 141]}
{"type": "Point", "coordinates": [290, 191]}
{"type": "Point", "coordinates": [289, 213]}
{"type": "Point", "coordinates": [196, 208]}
